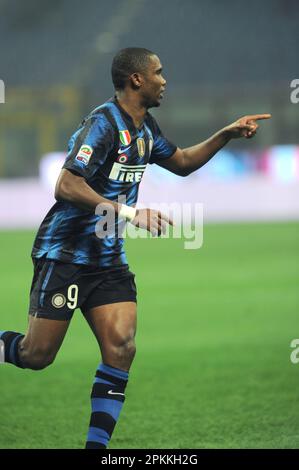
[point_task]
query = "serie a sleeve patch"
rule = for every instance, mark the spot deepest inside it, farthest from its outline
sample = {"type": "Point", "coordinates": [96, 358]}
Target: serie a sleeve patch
{"type": "Point", "coordinates": [84, 154]}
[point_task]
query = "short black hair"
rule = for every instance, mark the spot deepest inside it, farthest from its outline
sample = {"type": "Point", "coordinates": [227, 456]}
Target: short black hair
{"type": "Point", "coordinates": [126, 62]}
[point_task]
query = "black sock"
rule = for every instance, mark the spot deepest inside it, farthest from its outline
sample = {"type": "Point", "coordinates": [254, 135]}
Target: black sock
{"type": "Point", "coordinates": [11, 341]}
{"type": "Point", "coordinates": [107, 399]}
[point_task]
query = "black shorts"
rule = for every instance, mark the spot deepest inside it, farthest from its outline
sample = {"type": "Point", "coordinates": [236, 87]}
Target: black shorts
{"type": "Point", "coordinates": [59, 288]}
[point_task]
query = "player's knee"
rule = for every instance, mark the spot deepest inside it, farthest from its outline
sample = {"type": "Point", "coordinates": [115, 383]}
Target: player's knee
{"type": "Point", "coordinates": [127, 350]}
{"type": "Point", "coordinates": [130, 349]}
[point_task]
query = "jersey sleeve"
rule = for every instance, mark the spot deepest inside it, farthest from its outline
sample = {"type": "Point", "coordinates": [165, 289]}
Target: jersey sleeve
{"type": "Point", "coordinates": [89, 147]}
{"type": "Point", "coordinates": [162, 147]}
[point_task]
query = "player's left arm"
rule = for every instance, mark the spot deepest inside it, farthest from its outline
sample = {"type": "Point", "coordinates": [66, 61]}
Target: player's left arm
{"type": "Point", "coordinates": [185, 161]}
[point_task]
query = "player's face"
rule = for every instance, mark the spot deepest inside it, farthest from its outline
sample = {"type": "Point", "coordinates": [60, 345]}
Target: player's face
{"type": "Point", "coordinates": [153, 84]}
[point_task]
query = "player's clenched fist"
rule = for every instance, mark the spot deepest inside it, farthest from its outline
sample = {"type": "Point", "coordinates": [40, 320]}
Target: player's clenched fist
{"type": "Point", "coordinates": [152, 220]}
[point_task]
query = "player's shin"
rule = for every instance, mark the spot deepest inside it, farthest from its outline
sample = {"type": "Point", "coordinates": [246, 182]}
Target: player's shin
{"type": "Point", "coordinates": [9, 347]}
{"type": "Point", "coordinates": [107, 398]}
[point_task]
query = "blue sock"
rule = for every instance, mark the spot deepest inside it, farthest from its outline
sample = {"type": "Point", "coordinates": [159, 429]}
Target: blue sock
{"type": "Point", "coordinates": [11, 341]}
{"type": "Point", "coordinates": [107, 399]}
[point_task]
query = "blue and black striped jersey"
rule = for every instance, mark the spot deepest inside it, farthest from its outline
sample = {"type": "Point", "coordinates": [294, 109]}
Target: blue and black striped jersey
{"type": "Point", "coordinates": [112, 155]}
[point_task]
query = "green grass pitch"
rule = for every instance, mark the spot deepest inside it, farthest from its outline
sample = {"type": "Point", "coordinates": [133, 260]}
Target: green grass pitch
{"type": "Point", "coordinates": [212, 368]}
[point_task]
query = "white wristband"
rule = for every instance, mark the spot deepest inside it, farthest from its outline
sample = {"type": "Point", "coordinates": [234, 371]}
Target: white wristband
{"type": "Point", "coordinates": [127, 212]}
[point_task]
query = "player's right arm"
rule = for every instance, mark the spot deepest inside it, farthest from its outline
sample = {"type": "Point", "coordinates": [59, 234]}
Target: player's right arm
{"type": "Point", "coordinates": [73, 188]}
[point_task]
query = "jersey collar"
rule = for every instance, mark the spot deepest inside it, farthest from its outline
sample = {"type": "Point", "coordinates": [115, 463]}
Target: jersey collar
{"type": "Point", "coordinates": [127, 115]}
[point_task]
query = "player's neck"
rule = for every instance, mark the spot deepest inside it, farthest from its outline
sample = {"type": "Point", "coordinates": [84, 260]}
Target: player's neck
{"type": "Point", "coordinates": [133, 108]}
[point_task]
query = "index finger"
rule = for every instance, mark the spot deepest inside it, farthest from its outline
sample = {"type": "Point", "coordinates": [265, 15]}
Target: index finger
{"type": "Point", "coordinates": [166, 218]}
{"type": "Point", "coordinates": [256, 117]}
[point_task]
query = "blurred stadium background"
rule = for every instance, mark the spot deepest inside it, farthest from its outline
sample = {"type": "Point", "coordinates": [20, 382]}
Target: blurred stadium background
{"type": "Point", "coordinates": [218, 321]}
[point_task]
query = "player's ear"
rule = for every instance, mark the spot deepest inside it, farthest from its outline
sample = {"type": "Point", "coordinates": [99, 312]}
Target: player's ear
{"type": "Point", "coordinates": [136, 80]}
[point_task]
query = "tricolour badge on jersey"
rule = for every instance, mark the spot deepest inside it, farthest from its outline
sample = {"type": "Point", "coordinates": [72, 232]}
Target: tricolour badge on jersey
{"type": "Point", "coordinates": [125, 137]}
{"type": "Point", "coordinates": [141, 147]}
{"type": "Point", "coordinates": [84, 154]}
